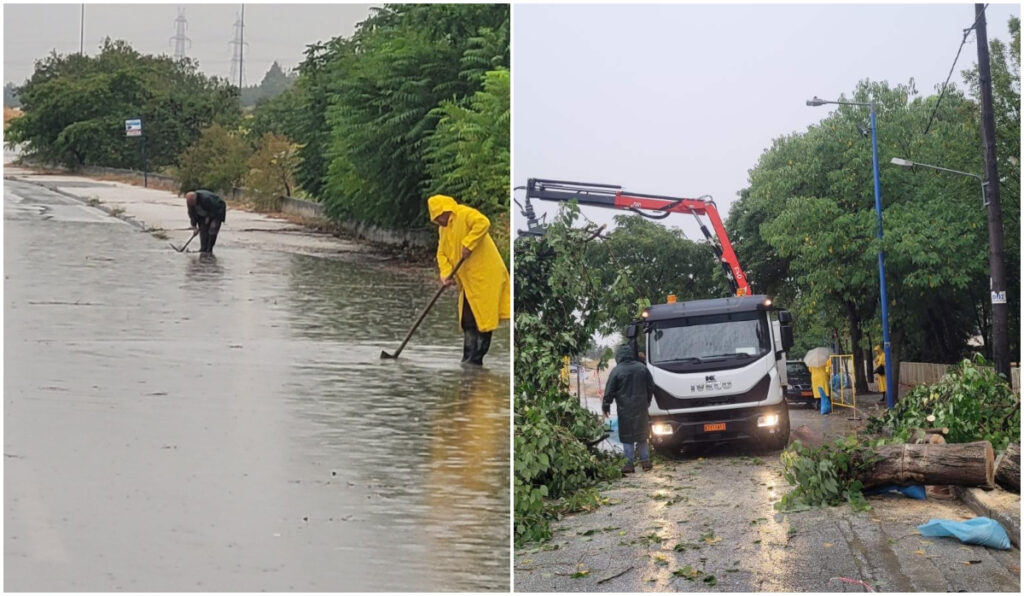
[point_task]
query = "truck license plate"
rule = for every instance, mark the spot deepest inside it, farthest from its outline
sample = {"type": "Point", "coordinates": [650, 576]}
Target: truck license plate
{"type": "Point", "coordinates": [710, 428]}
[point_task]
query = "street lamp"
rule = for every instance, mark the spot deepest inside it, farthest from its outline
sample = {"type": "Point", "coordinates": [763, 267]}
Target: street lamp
{"type": "Point", "coordinates": [906, 163]}
{"type": "Point", "coordinates": [886, 345]}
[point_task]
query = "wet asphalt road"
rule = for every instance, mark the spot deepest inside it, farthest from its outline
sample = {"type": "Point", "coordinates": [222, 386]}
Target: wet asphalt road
{"type": "Point", "coordinates": [705, 522]}
{"type": "Point", "coordinates": [176, 423]}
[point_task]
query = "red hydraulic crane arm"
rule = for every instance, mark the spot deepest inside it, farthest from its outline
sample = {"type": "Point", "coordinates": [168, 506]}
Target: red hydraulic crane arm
{"type": "Point", "coordinates": [613, 197]}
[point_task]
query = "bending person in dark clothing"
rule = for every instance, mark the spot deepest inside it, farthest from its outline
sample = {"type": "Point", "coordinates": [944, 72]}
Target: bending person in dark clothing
{"type": "Point", "coordinates": [206, 212]}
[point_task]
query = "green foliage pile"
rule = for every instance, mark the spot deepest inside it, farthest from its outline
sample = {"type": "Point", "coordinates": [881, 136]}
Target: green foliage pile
{"type": "Point", "coordinates": [75, 107]}
{"type": "Point", "coordinates": [558, 307]}
{"type": "Point", "coordinates": [414, 103]}
{"type": "Point", "coordinates": [974, 402]}
{"type": "Point", "coordinates": [805, 229]}
{"type": "Point", "coordinates": [825, 475]}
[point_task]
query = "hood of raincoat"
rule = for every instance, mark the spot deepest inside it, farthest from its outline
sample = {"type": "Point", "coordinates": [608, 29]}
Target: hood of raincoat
{"type": "Point", "coordinates": [438, 204]}
{"type": "Point", "coordinates": [624, 353]}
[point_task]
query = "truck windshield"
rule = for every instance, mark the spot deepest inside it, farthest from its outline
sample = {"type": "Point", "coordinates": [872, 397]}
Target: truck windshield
{"type": "Point", "coordinates": [713, 338]}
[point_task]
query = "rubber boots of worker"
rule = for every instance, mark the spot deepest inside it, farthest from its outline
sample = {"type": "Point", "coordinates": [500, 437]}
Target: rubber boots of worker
{"type": "Point", "coordinates": [213, 231]}
{"type": "Point", "coordinates": [628, 468]}
{"type": "Point", "coordinates": [474, 343]}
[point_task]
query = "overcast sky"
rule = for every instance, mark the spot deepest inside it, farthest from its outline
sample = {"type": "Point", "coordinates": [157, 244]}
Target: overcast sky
{"type": "Point", "coordinates": [272, 31]}
{"type": "Point", "coordinates": [682, 99]}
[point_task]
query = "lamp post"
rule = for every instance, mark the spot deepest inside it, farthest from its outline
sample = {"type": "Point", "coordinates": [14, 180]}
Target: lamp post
{"type": "Point", "coordinates": [906, 163]}
{"type": "Point", "coordinates": [886, 345]}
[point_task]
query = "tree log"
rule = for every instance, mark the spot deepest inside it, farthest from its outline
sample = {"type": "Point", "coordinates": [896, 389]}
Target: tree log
{"type": "Point", "coordinates": [1008, 468]}
{"type": "Point", "coordinates": [960, 464]}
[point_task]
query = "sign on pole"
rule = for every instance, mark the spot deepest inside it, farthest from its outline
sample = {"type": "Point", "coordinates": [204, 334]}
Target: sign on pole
{"type": "Point", "coordinates": [133, 128]}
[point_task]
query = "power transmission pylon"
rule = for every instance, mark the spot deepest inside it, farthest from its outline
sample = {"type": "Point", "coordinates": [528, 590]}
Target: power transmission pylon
{"type": "Point", "coordinates": [238, 43]}
{"type": "Point", "coordinates": [181, 42]}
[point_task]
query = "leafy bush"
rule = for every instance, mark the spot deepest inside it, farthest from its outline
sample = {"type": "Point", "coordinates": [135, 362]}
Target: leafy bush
{"type": "Point", "coordinates": [217, 161]}
{"type": "Point", "coordinates": [974, 402]}
{"type": "Point", "coordinates": [825, 475]}
{"type": "Point", "coordinates": [271, 171]}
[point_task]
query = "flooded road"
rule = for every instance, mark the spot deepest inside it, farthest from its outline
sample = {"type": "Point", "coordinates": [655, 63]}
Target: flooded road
{"type": "Point", "coordinates": [176, 423]}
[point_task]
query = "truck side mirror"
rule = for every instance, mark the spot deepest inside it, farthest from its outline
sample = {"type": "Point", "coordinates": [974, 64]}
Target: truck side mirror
{"type": "Point", "coordinates": [785, 317]}
{"type": "Point", "coordinates": [631, 331]}
{"type": "Point", "coordinates": [787, 337]}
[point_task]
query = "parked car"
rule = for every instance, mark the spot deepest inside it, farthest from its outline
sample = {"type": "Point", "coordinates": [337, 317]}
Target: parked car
{"type": "Point", "coordinates": [799, 390]}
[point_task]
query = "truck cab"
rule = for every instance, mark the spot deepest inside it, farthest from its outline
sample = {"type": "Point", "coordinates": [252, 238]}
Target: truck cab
{"type": "Point", "coordinates": [719, 369]}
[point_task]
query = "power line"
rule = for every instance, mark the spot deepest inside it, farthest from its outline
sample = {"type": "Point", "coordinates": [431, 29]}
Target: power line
{"type": "Point", "coordinates": [942, 94]}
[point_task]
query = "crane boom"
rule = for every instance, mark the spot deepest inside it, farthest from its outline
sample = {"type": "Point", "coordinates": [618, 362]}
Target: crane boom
{"type": "Point", "coordinates": [614, 197]}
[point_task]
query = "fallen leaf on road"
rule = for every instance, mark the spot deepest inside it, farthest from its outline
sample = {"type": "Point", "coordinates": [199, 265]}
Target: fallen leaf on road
{"type": "Point", "coordinates": [828, 545]}
{"type": "Point", "coordinates": [919, 552]}
{"type": "Point", "coordinates": [974, 562]}
{"type": "Point", "coordinates": [579, 574]}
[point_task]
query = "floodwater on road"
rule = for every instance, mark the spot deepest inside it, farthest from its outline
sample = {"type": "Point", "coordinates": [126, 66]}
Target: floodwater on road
{"type": "Point", "coordinates": [178, 423]}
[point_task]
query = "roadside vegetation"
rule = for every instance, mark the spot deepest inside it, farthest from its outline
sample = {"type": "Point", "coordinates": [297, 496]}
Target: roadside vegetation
{"type": "Point", "coordinates": [415, 102]}
{"type": "Point", "coordinates": [971, 401]}
{"type": "Point", "coordinates": [805, 229]}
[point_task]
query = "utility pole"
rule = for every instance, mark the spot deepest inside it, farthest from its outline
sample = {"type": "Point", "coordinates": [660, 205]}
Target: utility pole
{"type": "Point", "coordinates": [241, 52]}
{"type": "Point", "coordinates": [181, 41]}
{"type": "Point", "coordinates": [81, 33]}
{"type": "Point", "coordinates": [997, 270]}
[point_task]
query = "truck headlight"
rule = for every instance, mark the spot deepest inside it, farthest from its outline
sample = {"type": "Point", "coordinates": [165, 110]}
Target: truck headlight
{"type": "Point", "coordinates": [767, 420]}
{"type": "Point", "coordinates": [661, 428]}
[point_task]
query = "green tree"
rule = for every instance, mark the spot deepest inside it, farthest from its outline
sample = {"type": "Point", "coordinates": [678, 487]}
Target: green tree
{"type": "Point", "coordinates": [271, 170]}
{"type": "Point", "coordinates": [274, 83]}
{"type": "Point", "coordinates": [217, 161]}
{"type": "Point", "coordinates": [651, 261]}
{"type": "Point", "coordinates": [469, 152]}
{"type": "Point", "coordinates": [75, 107]}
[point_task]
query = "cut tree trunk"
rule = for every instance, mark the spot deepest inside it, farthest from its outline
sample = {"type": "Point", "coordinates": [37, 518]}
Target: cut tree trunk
{"type": "Point", "coordinates": [1008, 468]}
{"type": "Point", "coordinates": [960, 464]}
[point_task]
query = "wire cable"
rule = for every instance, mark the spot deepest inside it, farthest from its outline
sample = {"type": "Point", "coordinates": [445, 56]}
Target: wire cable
{"type": "Point", "coordinates": [942, 94]}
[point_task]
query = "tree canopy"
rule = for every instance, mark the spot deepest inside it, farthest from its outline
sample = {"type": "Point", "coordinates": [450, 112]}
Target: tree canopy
{"type": "Point", "coordinates": [75, 107]}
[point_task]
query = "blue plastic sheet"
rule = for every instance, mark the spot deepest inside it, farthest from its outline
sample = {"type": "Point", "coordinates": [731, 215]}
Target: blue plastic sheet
{"type": "Point", "coordinates": [980, 530]}
{"type": "Point", "coordinates": [914, 492]}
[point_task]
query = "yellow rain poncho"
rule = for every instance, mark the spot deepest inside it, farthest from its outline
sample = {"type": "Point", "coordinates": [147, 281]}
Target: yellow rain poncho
{"type": "Point", "coordinates": [483, 278]}
{"type": "Point", "coordinates": [880, 362]}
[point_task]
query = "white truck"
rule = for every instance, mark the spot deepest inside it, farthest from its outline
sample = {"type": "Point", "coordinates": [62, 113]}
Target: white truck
{"type": "Point", "coordinates": [719, 369]}
{"type": "Point", "coordinates": [719, 365]}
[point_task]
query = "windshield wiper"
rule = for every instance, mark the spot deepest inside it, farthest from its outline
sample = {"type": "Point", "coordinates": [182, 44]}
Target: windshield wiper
{"type": "Point", "coordinates": [691, 360]}
{"type": "Point", "coordinates": [724, 356]}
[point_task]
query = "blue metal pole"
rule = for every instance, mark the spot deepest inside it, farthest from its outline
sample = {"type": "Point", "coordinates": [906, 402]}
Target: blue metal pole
{"type": "Point", "coordinates": [886, 346]}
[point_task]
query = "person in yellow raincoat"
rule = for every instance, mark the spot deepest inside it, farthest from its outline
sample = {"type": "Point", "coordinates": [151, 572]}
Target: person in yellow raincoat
{"type": "Point", "coordinates": [484, 296]}
{"type": "Point", "coordinates": [820, 377]}
{"type": "Point", "coordinates": [880, 368]}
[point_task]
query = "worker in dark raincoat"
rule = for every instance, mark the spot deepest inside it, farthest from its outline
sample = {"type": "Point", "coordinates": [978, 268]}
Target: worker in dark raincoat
{"type": "Point", "coordinates": [206, 212]}
{"type": "Point", "coordinates": [631, 387]}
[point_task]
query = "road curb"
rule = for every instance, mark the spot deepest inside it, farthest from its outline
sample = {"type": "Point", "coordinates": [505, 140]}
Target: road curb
{"type": "Point", "coordinates": [1002, 506]}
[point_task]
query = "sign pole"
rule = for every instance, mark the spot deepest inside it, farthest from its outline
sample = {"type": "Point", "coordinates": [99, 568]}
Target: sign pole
{"type": "Point", "coordinates": [145, 172]}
